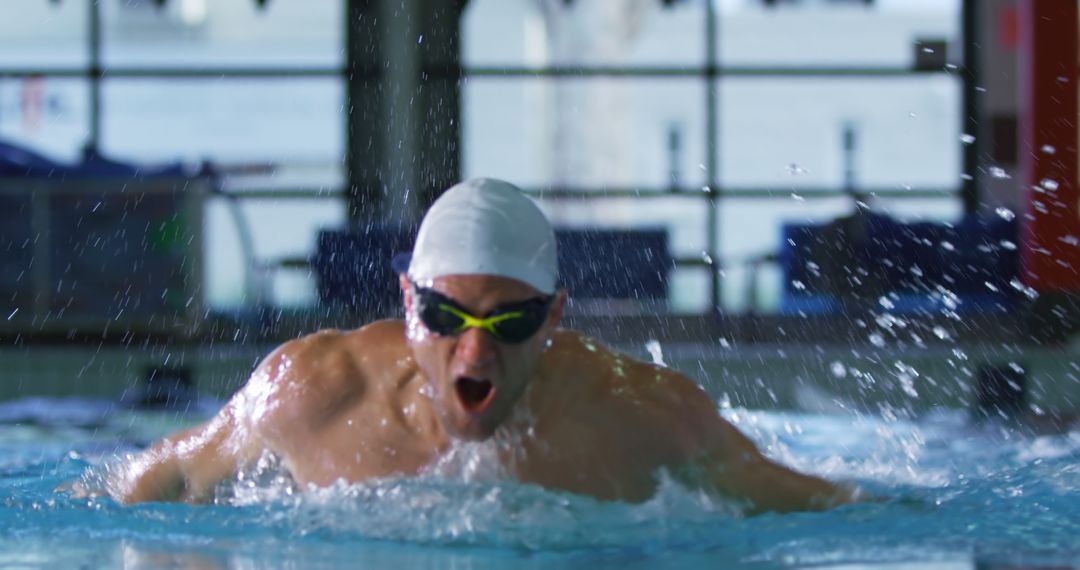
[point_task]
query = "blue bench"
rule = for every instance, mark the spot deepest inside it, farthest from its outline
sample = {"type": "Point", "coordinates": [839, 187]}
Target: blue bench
{"type": "Point", "coordinates": [919, 267]}
{"type": "Point", "coordinates": [353, 268]}
{"type": "Point", "coordinates": [354, 271]}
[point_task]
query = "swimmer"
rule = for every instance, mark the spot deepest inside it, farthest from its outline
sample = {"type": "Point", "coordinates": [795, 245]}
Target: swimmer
{"type": "Point", "coordinates": [479, 357]}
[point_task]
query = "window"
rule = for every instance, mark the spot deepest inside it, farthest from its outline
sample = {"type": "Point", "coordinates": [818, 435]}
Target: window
{"type": "Point", "coordinates": [256, 92]}
{"type": "Point", "coordinates": [754, 120]}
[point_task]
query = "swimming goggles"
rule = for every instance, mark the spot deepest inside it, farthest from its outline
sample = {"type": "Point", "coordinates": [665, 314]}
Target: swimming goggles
{"type": "Point", "coordinates": [513, 323]}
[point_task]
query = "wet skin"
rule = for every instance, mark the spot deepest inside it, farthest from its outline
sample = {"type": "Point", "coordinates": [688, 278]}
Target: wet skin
{"type": "Point", "coordinates": [390, 398]}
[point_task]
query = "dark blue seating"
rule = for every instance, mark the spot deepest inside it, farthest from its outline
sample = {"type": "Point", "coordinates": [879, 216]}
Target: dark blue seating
{"type": "Point", "coordinates": [614, 264]}
{"type": "Point", "coordinates": [354, 266]}
{"type": "Point", "coordinates": [919, 267]}
{"type": "Point", "coordinates": [19, 162]}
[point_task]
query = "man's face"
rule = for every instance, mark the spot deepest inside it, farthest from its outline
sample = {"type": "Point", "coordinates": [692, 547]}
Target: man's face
{"type": "Point", "coordinates": [475, 378]}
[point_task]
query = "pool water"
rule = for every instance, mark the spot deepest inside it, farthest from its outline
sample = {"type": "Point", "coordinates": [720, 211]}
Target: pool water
{"type": "Point", "coordinates": [957, 494]}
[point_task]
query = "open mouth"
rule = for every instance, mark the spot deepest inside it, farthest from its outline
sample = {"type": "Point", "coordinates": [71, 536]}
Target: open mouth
{"type": "Point", "coordinates": [475, 394]}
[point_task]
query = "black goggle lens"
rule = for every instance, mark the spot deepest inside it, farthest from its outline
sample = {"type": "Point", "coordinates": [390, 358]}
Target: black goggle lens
{"type": "Point", "coordinates": [513, 323]}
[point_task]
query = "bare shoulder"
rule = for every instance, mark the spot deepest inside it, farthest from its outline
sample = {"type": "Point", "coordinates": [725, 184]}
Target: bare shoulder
{"type": "Point", "coordinates": [311, 377]}
{"type": "Point", "coordinates": [610, 368]}
{"type": "Point", "coordinates": [656, 398]}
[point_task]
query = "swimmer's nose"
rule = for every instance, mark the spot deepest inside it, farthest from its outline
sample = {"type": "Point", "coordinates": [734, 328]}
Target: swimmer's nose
{"type": "Point", "coordinates": [476, 348]}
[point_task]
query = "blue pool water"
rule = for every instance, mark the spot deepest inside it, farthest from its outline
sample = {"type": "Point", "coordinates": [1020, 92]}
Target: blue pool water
{"type": "Point", "coordinates": [960, 494]}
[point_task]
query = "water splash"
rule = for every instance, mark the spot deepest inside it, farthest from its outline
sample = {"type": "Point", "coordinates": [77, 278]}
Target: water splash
{"type": "Point", "coordinates": [656, 352]}
{"type": "Point", "coordinates": [949, 486]}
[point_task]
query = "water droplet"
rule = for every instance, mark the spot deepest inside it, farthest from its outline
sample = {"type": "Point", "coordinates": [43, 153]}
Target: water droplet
{"type": "Point", "coordinates": [798, 285]}
{"type": "Point", "coordinates": [706, 258]}
{"type": "Point", "coordinates": [908, 386]}
{"type": "Point", "coordinates": [1049, 184]}
{"type": "Point", "coordinates": [999, 172]}
{"type": "Point", "coordinates": [420, 39]}
{"type": "Point", "coordinates": [1069, 240]}
{"type": "Point", "coordinates": [795, 196]}
{"type": "Point", "coordinates": [655, 351]}
{"type": "Point", "coordinates": [706, 189]}
{"type": "Point", "coordinates": [796, 170]}
{"type": "Point", "coordinates": [940, 332]}
{"type": "Point", "coordinates": [948, 246]}
{"type": "Point", "coordinates": [838, 369]}
{"type": "Point", "coordinates": [1005, 214]}
{"type": "Point", "coordinates": [966, 177]}
{"type": "Point", "coordinates": [991, 286]}
{"type": "Point", "coordinates": [913, 114]}
{"type": "Point", "coordinates": [981, 89]}
{"type": "Point", "coordinates": [886, 303]}
{"type": "Point", "coordinates": [877, 340]}
{"type": "Point", "coordinates": [1008, 245]}
{"type": "Point", "coordinates": [701, 167]}
{"type": "Point", "coordinates": [1048, 149]}
{"type": "Point", "coordinates": [967, 139]}
{"type": "Point", "coordinates": [12, 315]}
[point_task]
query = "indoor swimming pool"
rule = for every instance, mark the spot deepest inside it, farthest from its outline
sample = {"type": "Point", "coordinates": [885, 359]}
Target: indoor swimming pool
{"type": "Point", "coordinates": [954, 493]}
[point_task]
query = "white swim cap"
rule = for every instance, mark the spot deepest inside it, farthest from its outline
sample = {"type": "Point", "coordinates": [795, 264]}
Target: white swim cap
{"type": "Point", "coordinates": [485, 226]}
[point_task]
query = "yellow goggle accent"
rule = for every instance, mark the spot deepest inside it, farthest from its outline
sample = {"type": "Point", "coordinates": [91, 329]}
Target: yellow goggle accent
{"type": "Point", "coordinates": [470, 322]}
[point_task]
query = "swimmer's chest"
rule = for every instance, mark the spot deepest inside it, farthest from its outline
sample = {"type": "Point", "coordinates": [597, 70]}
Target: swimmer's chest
{"type": "Point", "coordinates": [606, 457]}
{"type": "Point", "coordinates": [360, 445]}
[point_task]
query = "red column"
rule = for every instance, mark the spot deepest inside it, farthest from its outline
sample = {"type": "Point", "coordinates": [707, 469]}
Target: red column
{"type": "Point", "coordinates": [1048, 105]}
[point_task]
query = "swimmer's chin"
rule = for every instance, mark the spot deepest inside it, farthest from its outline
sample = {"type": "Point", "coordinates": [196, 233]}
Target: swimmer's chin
{"type": "Point", "coordinates": [473, 429]}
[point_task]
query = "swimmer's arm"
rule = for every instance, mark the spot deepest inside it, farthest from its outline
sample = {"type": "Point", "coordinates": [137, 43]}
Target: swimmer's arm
{"type": "Point", "coordinates": [722, 459]}
{"type": "Point", "coordinates": [186, 466]}
{"type": "Point", "coordinates": [738, 469]}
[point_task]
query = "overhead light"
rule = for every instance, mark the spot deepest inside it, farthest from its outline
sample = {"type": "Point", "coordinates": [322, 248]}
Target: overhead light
{"type": "Point", "coordinates": [192, 12]}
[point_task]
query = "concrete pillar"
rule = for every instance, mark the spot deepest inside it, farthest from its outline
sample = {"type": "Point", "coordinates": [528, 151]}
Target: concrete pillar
{"type": "Point", "coordinates": [993, 105]}
{"type": "Point", "coordinates": [403, 84]}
